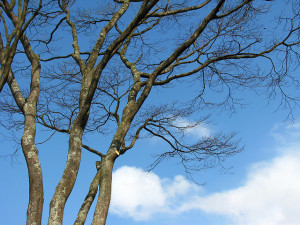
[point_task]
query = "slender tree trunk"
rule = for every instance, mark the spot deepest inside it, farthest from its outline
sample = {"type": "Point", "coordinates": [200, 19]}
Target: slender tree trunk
{"type": "Point", "coordinates": [36, 194]}
{"type": "Point", "coordinates": [86, 205]}
{"type": "Point", "coordinates": [104, 197]}
{"type": "Point", "coordinates": [28, 107]}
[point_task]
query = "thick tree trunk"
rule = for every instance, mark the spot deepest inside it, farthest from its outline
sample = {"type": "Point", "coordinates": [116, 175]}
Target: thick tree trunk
{"type": "Point", "coordinates": [104, 197]}
{"type": "Point", "coordinates": [66, 183]}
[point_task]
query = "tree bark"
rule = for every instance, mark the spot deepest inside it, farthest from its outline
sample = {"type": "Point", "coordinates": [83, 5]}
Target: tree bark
{"type": "Point", "coordinates": [66, 183]}
{"type": "Point", "coordinates": [68, 179]}
{"type": "Point", "coordinates": [36, 194]}
{"type": "Point", "coordinates": [28, 108]}
{"type": "Point", "coordinates": [104, 197]}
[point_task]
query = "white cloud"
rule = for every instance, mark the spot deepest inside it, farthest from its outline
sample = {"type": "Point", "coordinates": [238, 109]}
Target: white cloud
{"type": "Point", "coordinates": [136, 193]}
{"type": "Point", "coordinates": [270, 196]}
{"type": "Point", "coordinates": [139, 194]}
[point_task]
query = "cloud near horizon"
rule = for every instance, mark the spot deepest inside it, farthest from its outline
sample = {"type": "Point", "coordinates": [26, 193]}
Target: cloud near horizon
{"type": "Point", "coordinates": [269, 196]}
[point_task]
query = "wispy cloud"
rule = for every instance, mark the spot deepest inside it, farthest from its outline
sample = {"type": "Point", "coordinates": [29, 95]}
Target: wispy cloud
{"type": "Point", "coordinates": [286, 135]}
{"type": "Point", "coordinates": [198, 131]}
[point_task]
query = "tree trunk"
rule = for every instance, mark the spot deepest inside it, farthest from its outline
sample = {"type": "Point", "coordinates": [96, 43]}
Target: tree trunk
{"type": "Point", "coordinates": [66, 183]}
{"type": "Point", "coordinates": [36, 194]}
{"type": "Point", "coordinates": [28, 107]}
{"type": "Point", "coordinates": [68, 179]}
{"type": "Point", "coordinates": [104, 197]}
{"type": "Point", "coordinates": [86, 205]}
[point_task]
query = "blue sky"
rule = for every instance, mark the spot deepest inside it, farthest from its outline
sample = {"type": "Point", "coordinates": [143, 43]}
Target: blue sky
{"type": "Point", "coordinates": [262, 187]}
{"type": "Point", "coordinates": [259, 186]}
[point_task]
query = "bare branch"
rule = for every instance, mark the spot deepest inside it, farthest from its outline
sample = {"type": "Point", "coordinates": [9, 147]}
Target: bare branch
{"type": "Point", "coordinates": [93, 150]}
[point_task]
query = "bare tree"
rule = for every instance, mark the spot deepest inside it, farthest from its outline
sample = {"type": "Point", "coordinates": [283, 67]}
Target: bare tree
{"type": "Point", "coordinates": [139, 46]}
